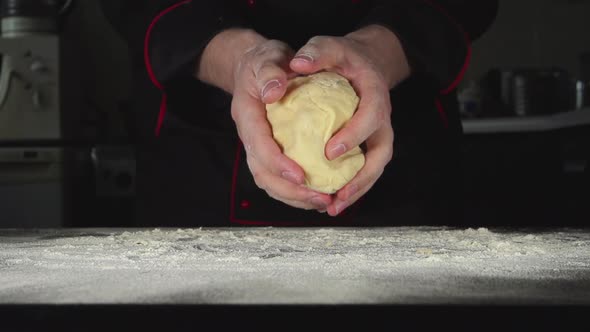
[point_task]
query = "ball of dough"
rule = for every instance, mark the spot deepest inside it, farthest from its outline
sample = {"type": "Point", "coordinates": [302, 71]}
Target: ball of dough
{"type": "Point", "coordinates": [313, 109]}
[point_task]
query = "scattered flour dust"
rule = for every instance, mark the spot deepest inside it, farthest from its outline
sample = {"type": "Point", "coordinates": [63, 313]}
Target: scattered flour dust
{"type": "Point", "coordinates": [278, 265]}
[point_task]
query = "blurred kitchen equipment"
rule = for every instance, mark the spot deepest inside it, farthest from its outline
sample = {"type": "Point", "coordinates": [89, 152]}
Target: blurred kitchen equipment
{"type": "Point", "coordinates": [526, 92]}
{"type": "Point", "coordinates": [470, 100]}
{"type": "Point", "coordinates": [496, 93]}
{"type": "Point", "coordinates": [29, 81]}
{"type": "Point", "coordinates": [580, 95]}
{"type": "Point", "coordinates": [583, 84]}
{"type": "Point", "coordinates": [114, 168]}
{"type": "Point", "coordinates": [31, 117]}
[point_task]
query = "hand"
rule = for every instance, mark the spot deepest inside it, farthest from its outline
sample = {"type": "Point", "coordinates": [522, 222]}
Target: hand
{"type": "Point", "coordinates": [260, 77]}
{"type": "Point", "coordinates": [374, 62]}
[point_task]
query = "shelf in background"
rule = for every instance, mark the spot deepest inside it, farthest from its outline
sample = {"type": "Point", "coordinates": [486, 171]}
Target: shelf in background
{"type": "Point", "coordinates": [552, 122]}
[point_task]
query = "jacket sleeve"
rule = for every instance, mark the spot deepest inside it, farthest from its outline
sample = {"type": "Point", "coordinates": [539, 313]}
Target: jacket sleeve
{"type": "Point", "coordinates": [174, 32]}
{"type": "Point", "coordinates": [435, 35]}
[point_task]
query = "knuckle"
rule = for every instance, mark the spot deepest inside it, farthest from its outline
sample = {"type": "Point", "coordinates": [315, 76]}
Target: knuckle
{"type": "Point", "coordinates": [252, 166]}
{"type": "Point", "coordinates": [249, 149]}
{"type": "Point", "coordinates": [250, 157]}
{"type": "Point", "coordinates": [324, 42]}
{"type": "Point", "coordinates": [309, 49]}
{"type": "Point", "coordinates": [268, 69]}
{"type": "Point", "coordinates": [389, 156]}
{"type": "Point", "coordinates": [273, 195]}
{"type": "Point", "coordinates": [235, 114]}
{"type": "Point", "coordinates": [380, 172]}
{"type": "Point", "coordinates": [380, 116]}
{"type": "Point", "coordinates": [275, 54]}
{"type": "Point", "coordinates": [387, 102]}
{"type": "Point", "coordinates": [242, 63]}
{"type": "Point", "coordinates": [260, 50]}
{"type": "Point", "coordinates": [249, 56]}
{"type": "Point", "coordinates": [259, 182]}
{"type": "Point", "coordinates": [391, 139]}
{"type": "Point", "coordinates": [277, 44]}
{"type": "Point", "coordinates": [256, 177]}
{"type": "Point", "coordinates": [283, 200]}
{"type": "Point", "coordinates": [303, 205]}
{"type": "Point", "coordinates": [329, 40]}
{"type": "Point", "coordinates": [271, 49]}
{"type": "Point", "coordinates": [274, 163]}
{"type": "Point", "coordinates": [316, 40]}
{"type": "Point", "coordinates": [370, 186]}
{"type": "Point", "coordinates": [338, 44]}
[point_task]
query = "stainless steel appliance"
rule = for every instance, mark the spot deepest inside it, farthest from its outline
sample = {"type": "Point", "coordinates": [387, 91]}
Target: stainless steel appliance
{"type": "Point", "coordinates": [527, 92]}
{"type": "Point", "coordinates": [31, 160]}
{"type": "Point", "coordinates": [583, 84]}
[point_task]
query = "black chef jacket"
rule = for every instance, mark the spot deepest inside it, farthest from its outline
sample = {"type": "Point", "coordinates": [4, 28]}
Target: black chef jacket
{"type": "Point", "coordinates": [191, 164]}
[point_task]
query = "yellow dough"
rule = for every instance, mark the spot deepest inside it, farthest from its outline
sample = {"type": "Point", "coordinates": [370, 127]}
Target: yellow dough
{"type": "Point", "coordinates": [313, 109]}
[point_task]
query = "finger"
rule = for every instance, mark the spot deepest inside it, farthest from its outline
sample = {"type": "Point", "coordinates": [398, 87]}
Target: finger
{"type": "Point", "coordinates": [379, 154]}
{"type": "Point", "coordinates": [286, 191]}
{"type": "Point", "coordinates": [338, 206]}
{"type": "Point", "coordinates": [256, 134]}
{"type": "Point", "coordinates": [271, 82]}
{"type": "Point", "coordinates": [372, 113]}
{"type": "Point", "coordinates": [298, 204]}
{"type": "Point", "coordinates": [318, 54]}
{"type": "Point", "coordinates": [269, 69]}
{"type": "Point", "coordinates": [295, 204]}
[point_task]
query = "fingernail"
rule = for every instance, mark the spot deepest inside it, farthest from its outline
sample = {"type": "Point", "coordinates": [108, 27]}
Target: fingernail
{"type": "Point", "coordinates": [322, 211]}
{"type": "Point", "coordinates": [269, 86]}
{"type": "Point", "coordinates": [336, 151]}
{"type": "Point", "coordinates": [318, 203]}
{"type": "Point", "coordinates": [304, 57]}
{"type": "Point", "coordinates": [291, 177]}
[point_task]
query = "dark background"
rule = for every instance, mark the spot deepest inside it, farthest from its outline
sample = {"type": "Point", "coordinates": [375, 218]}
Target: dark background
{"type": "Point", "coordinates": [510, 179]}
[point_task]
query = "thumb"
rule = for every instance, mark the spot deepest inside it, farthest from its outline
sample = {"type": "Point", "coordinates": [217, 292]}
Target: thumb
{"type": "Point", "coordinates": [320, 53]}
{"type": "Point", "coordinates": [271, 82]}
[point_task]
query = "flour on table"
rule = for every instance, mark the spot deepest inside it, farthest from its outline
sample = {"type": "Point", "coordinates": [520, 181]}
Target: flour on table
{"type": "Point", "coordinates": [276, 265]}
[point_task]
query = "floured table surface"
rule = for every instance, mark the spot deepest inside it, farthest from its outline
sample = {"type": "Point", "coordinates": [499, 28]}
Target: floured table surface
{"type": "Point", "coordinates": [300, 266]}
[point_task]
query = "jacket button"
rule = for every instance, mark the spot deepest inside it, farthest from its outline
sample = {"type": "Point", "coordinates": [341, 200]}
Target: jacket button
{"type": "Point", "coordinates": [245, 204]}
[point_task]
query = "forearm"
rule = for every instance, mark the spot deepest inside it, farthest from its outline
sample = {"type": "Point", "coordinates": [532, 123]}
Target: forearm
{"type": "Point", "coordinates": [385, 52]}
{"type": "Point", "coordinates": [218, 62]}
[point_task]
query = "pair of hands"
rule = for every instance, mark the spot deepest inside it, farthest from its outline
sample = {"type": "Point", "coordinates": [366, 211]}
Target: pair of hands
{"type": "Point", "coordinates": [371, 59]}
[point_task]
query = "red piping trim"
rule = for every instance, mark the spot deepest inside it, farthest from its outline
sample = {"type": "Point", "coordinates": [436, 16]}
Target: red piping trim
{"type": "Point", "coordinates": [468, 55]}
{"type": "Point", "coordinates": [234, 184]}
{"type": "Point", "coordinates": [442, 113]}
{"type": "Point", "coordinates": [161, 114]}
{"type": "Point", "coordinates": [148, 63]}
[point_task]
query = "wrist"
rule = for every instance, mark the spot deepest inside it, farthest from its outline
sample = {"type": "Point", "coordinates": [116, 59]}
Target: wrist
{"type": "Point", "coordinates": [385, 51]}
